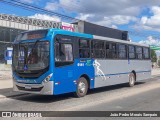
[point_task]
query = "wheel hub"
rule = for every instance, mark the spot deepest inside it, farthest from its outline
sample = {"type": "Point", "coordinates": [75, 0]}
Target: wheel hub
{"type": "Point", "coordinates": [132, 80]}
{"type": "Point", "coordinates": [82, 87]}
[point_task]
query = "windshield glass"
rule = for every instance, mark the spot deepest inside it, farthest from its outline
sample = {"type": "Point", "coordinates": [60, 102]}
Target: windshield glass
{"type": "Point", "coordinates": [31, 56]}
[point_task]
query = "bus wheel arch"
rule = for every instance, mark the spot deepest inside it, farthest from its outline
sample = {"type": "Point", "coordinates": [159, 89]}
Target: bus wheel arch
{"type": "Point", "coordinates": [134, 72]}
{"type": "Point", "coordinates": [82, 86]}
{"type": "Point", "coordinates": [87, 78]}
{"type": "Point", "coordinates": [132, 79]}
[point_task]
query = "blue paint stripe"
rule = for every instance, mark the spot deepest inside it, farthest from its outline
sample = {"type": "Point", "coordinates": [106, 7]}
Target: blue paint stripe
{"type": "Point", "coordinates": [121, 73]}
{"type": "Point", "coordinates": [143, 71]}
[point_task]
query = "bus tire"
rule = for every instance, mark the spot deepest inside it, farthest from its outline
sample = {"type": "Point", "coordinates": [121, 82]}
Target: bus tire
{"type": "Point", "coordinates": [82, 87]}
{"type": "Point", "coordinates": [132, 80]}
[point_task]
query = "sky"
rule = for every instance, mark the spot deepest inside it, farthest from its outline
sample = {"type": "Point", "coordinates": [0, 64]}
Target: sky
{"type": "Point", "coordinates": [140, 17]}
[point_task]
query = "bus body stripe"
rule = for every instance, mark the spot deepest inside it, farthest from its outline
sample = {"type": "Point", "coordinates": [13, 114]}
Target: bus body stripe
{"type": "Point", "coordinates": [122, 73]}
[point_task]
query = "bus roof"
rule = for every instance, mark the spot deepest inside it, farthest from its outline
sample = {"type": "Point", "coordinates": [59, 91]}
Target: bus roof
{"type": "Point", "coordinates": [65, 32]}
{"type": "Point", "coordinates": [119, 41]}
{"type": "Point", "coordinates": [60, 31]}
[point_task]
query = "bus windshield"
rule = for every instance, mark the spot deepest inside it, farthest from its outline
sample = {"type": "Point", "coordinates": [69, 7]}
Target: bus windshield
{"type": "Point", "coordinates": [31, 56]}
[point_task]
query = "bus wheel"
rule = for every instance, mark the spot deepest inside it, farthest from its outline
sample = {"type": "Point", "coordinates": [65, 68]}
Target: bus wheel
{"type": "Point", "coordinates": [132, 80]}
{"type": "Point", "coordinates": [82, 87]}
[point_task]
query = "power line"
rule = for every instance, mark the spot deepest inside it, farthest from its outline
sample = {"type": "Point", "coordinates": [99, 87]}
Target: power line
{"type": "Point", "coordinates": [41, 9]}
{"type": "Point", "coordinates": [7, 9]}
{"type": "Point", "coordinates": [72, 6]}
{"type": "Point", "coordinates": [36, 8]}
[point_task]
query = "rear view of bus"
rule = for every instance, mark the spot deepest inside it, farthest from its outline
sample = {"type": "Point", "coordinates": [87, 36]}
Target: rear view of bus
{"type": "Point", "coordinates": [31, 59]}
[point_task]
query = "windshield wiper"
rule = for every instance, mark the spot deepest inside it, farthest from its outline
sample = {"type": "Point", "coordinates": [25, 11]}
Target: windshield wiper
{"type": "Point", "coordinates": [26, 58]}
{"type": "Point", "coordinates": [26, 54]}
{"type": "Point", "coordinates": [34, 45]}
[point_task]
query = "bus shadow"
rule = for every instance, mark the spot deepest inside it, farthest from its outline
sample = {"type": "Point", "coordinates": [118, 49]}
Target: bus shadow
{"type": "Point", "coordinates": [56, 98]}
{"type": "Point", "coordinates": [5, 92]}
{"type": "Point", "coordinates": [112, 87]}
{"type": "Point", "coordinates": [44, 98]}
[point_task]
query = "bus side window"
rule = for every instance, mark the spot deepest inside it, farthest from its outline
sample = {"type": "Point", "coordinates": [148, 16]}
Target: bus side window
{"type": "Point", "coordinates": [107, 50]}
{"type": "Point", "coordinates": [64, 52]}
{"type": "Point", "coordinates": [131, 52]}
{"type": "Point", "coordinates": [146, 53]}
{"type": "Point", "coordinates": [139, 52]}
{"type": "Point", "coordinates": [63, 49]}
{"type": "Point", "coordinates": [56, 49]}
{"type": "Point", "coordinates": [84, 48]}
{"type": "Point", "coordinates": [122, 52]}
{"type": "Point", "coordinates": [112, 50]}
{"type": "Point", "coordinates": [98, 49]}
{"type": "Point", "coordinates": [68, 52]}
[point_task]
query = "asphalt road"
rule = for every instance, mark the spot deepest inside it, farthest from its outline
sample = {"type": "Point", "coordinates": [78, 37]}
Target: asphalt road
{"type": "Point", "coordinates": [144, 96]}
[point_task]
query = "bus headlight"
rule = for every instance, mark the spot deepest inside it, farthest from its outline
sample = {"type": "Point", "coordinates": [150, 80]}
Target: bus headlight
{"type": "Point", "coordinates": [47, 78]}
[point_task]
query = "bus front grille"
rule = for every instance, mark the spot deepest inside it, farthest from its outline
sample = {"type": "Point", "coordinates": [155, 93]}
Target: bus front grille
{"type": "Point", "coordinates": [32, 89]}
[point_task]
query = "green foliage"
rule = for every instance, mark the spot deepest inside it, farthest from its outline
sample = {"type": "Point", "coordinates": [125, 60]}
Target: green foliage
{"type": "Point", "coordinates": [153, 56]}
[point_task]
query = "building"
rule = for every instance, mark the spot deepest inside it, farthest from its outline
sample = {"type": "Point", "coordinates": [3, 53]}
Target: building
{"type": "Point", "coordinates": [90, 28]}
{"type": "Point", "coordinates": [11, 25]}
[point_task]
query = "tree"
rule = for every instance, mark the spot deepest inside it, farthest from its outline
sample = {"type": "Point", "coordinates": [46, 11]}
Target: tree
{"type": "Point", "coordinates": [153, 56]}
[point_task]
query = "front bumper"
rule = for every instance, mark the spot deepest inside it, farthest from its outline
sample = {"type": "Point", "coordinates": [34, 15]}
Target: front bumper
{"type": "Point", "coordinates": [44, 88]}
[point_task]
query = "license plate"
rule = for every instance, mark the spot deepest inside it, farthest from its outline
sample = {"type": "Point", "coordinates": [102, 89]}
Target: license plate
{"type": "Point", "coordinates": [28, 87]}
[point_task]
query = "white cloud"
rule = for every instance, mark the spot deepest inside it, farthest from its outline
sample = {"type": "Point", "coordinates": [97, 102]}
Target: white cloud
{"type": "Point", "coordinates": [153, 20]}
{"type": "Point", "coordinates": [107, 21]}
{"type": "Point", "coordinates": [103, 7]}
{"type": "Point", "coordinates": [114, 26]}
{"type": "Point", "coordinates": [156, 10]}
{"type": "Point", "coordinates": [120, 19]}
{"type": "Point", "coordinates": [30, 1]}
{"type": "Point", "coordinates": [144, 19]}
{"type": "Point", "coordinates": [150, 22]}
{"type": "Point", "coordinates": [150, 41]}
{"type": "Point", "coordinates": [69, 4]}
{"type": "Point", "coordinates": [111, 12]}
{"type": "Point", "coordinates": [52, 6]}
{"type": "Point", "coordinates": [27, 1]}
{"type": "Point", "coordinates": [107, 7]}
{"type": "Point", "coordinates": [85, 16]}
{"type": "Point", "coordinates": [46, 17]}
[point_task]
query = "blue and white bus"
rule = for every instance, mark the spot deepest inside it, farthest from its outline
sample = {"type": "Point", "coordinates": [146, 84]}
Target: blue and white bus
{"type": "Point", "coordinates": [55, 61]}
